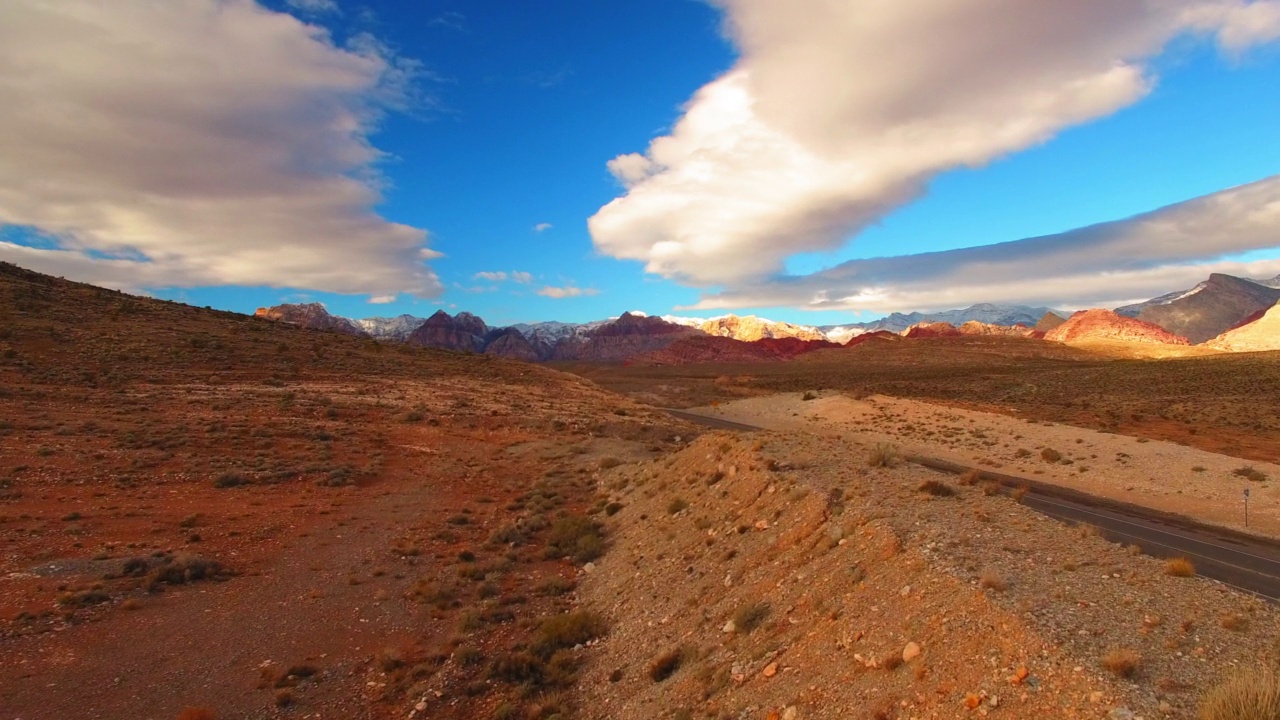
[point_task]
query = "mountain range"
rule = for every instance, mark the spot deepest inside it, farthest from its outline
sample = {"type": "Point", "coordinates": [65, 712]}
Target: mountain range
{"type": "Point", "coordinates": [1220, 304]}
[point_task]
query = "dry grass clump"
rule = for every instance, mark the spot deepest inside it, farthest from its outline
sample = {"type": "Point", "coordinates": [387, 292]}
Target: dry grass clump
{"type": "Point", "coordinates": [1180, 567]}
{"type": "Point", "coordinates": [1122, 662]}
{"type": "Point", "coordinates": [1250, 473]}
{"type": "Point", "coordinates": [1050, 455]}
{"type": "Point", "coordinates": [970, 477]}
{"type": "Point", "coordinates": [991, 580]}
{"type": "Point", "coordinates": [666, 664]}
{"type": "Point", "coordinates": [883, 455]}
{"type": "Point", "coordinates": [1234, 621]}
{"type": "Point", "coordinates": [750, 616]}
{"type": "Point", "coordinates": [676, 505]}
{"type": "Point", "coordinates": [936, 488]}
{"type": "Point", "coordinates": [561, 632]}
{"type": "Point", "coordinates": [1250, 694]}
{"type": "Point", "coordinates": [576, 536]}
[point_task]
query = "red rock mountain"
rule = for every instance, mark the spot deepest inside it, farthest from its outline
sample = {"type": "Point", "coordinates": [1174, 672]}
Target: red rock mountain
{"type": "Point", "coordinates": [751, 328]}
{"type": "Point", "coordinates": [1048, 322]}
{"type": "Point", "coordinates": [310, 315]}
{"type": "Point", "coordinates": [714, 349]}
{"type": "Point", "coordinates": [464, 332]}
{"type": "Point", "coordinates": [1259, 335]}
{"type": "Point", "coordinates": [1105, 325]}
{"type": "Point", "coordinates": [627, 337]}
{"type": "Point", "coordinates": [931, 330]}
{"type": "Point", "coordinates": [973, 327]}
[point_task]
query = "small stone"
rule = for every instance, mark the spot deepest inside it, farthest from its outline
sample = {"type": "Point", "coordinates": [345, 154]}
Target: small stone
{"type": "Point", "coordinates": [972, 701]}
{"type": "Point", "coordinates": [1095, 696]}
{"type": "Point", "coordinates": [994, 701]}
{"type": "Point", "coordinates": [762, 524]}
{"type": "Point", "coordinates": [729, 627]}
{"type": "Point", "coordinates": [421, 706]}
{"type": "Point", "coordinates": [1122, 713]}
{"type": "Point", "coordinates": [1165, 708]}
{"type": "Point", "coordinates": [905, 591]}
{"type": "Point", "coordinates": [771, 669]}
{"type": "Point", "coordinates": [589, 568]}
{"type": "Point", "coordinates": [790, 713]}
{"type": "Point", "coordinates": [910, 652]}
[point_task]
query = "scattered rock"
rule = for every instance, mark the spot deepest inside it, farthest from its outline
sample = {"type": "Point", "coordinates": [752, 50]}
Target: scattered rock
{"type": "Point", "coordinates": [910, 652]}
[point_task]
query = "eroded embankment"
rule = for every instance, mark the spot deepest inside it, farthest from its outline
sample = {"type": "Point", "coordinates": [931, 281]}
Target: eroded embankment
{"type": "Point", "coordinates": [766, 577]}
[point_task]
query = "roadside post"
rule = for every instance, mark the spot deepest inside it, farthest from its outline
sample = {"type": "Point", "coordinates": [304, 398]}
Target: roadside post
{"type": "Point", "coordinates": [1246, 507]}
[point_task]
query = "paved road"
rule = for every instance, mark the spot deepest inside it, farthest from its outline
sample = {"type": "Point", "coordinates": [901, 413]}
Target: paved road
{"type": "Point", "coordinates": [1246, 562]}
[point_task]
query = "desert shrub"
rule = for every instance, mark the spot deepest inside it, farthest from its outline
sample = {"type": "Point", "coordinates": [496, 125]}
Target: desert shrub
{"type": "Point", "coordinates": [750, 616]}
{"type": "Point", "coordinates": [970, 477]}
{"type": "Point", "coordinates": [508, 535]}
{"type": "Point", "coordinates": [612, 508]}
{"type": "Point", "coordinates": [1050, 455]}
{"type": "Point", "coordinates": [1249, 694]}
{"type": "Point", "coordinates": [991, 580]}
{"type": "Point", "coordinates": [676, 505]}
{"type": "Point", "coordinates": [809, 395]}
{"type": "Point", "coordinates": [609, 462]}
{"type": "Point", "coordinates": [666, 664]}
{"type": "Point", "coordinates": [555, 586]}
{"type": "Point", "coordinates": [1235, 622]}
{"type": "Point", "coordinates": [562, 632]}
{"type": "Point", "coordinates": [883, 455]}
{"type": "Point", "coordinates": [936, 488]}
{"type": "Point", "coordinates": [1020, 492]}
{"type": "Point", "coordinates": [1250, 473]}
{"type": "Point", "coordinates": [576, 536]}
{"type": "Point", "coordinates": [1180, 567]}
{"type": "Point", "coordinates": [230, 480]}
{"type": "Point", "coordinates": [1122, 662]}
{"type": "Point", "coordinates": [182, 569]}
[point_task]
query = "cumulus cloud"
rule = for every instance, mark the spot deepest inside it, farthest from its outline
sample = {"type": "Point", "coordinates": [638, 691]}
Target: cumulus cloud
{"type": "Point", "coordinates": [491, 276]}
{"type": "Point", "coordinates": [523, 278]}
{"type": "Point", "coordinates": [837, 113]}
{"type": "Point", "coordinates": [568, 291]}
{"type": "Point", "coordinates": [203, 142]}
{"type": "Point", "coordinates": [542, 227]}
{"type": "Point", "coordinates": [1108, 264]}
{"type": "Point", "coordinates": [382, 299]}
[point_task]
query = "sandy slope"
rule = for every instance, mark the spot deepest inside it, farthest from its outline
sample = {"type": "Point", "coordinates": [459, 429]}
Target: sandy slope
{"type": "Point", "coordinates": [1161, 475]}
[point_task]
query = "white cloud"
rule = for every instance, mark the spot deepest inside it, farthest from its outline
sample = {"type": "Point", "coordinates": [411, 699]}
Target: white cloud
{"type": "Point", "coordinates": [568, 291]}
{"type": "Point", "coordinates": [203, 142]}
{"type": "Point", "coordinates": [491, 276]}
{"type": "Point", "coordinates": [517, 276]}
{"type": "Point", "coordinates": [315, 7]}
{"type": "Point", "coordinates": [521, 277]}
{"type": "Point", "coordinates": [1108, 264]}
{"type": "Point", "coordinates": [837, 113]}
{"type": "Point", "coordinates": [382, 299]}
{"type": "Point", "coordinates": [542, 227]}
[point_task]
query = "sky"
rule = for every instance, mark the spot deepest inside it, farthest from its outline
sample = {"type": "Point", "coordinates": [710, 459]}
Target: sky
{"type": "Point", "coordinates": [812, 161]}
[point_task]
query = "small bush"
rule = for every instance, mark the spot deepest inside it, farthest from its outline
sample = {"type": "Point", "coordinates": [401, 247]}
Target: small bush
{"type": "Point", "coordinates": [676, 505]}
{"type": "Point", "coordinates": [1250, 694]}
{"type": "Point", "coordinates": [970, 477]}
{"type": "Point", "coordinates": [1234, 622]}
{"type": "Point", "coordinates": [749, 617]}
{"type": "Point", "coordinates": [1050, 455]}
{"type": "Point", "coordinates": [1250, 473]}
{"type": "Point", "coordinates": [666, 664]}
{"type": "Point", "coordinates": [936, 488]}
{"type": "Point", "coordinates": [991, 580]}
{"type": "Point", "coordinates": [612, 508]}
{"type": "Point", "coordinates": [562, 632]}
{"type": "Point", "coordinates": [883, 455]}
{"type": "Point", "coordinates": [230, 480]}
{"type": "Point", "coordinates": [809, 395]}
{"type": "Point", "coordinates": [1180, 567]}
{"type": "Point", "coordinates": [576, 536]}
{"type": "Point", "coordinates": [1122, 662]}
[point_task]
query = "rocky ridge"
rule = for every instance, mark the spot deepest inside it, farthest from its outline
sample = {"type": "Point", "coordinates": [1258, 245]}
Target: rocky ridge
{"type": "Point", "coordinates": [1107, 326]}
{"type": "Point", "coordinates": [1257, 335]}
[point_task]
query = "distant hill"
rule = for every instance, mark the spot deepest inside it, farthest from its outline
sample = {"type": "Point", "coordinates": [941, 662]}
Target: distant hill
{"type": "Point", "coordinates": [1262, 333]}
{"type": "Point", "coordinates": [985, 313]}
{"type": "Point", "coordinates": [1209, 309]}
{"type": "Point", "coordinates": [1093, 326]}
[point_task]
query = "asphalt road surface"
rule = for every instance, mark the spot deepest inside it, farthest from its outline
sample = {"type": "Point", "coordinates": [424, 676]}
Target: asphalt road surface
{"type": "Point", "coordinates": [1246, 562]}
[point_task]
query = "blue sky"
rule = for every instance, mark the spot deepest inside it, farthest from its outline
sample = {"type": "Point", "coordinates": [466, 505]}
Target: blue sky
{"type": "Point", "coordinates": [489, 127]}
